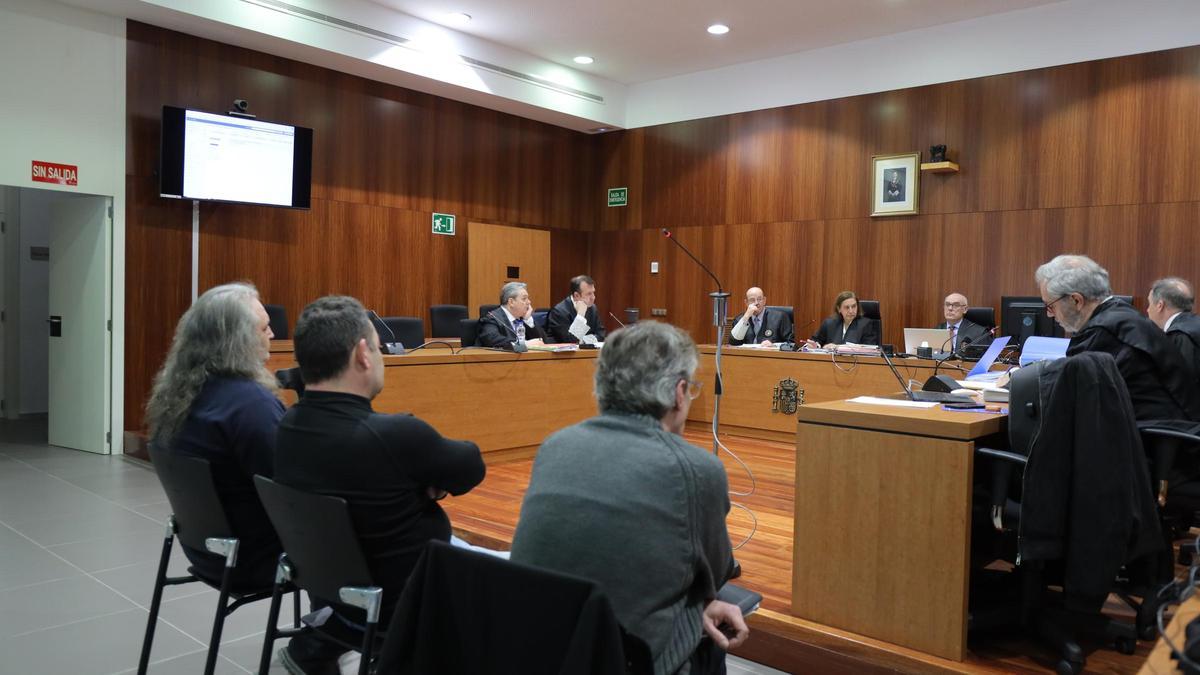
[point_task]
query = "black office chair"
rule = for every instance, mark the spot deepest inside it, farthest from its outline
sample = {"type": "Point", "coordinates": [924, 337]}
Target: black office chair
{"type": "Point", "coordinates": [277, 319]}
{"type": "Point", "coordinates": [554, 623]}
{"type": "Point", "coordinates": [409, 330]}
{"type": "Point", "coordinates": [322, 556]}
{"type": "Point", "coordinates": [484, 309]}
{"type": "Point", "coordinates": [983, 316]}
{"type": "Point", "coordinates": [469, 332]}
{"type": "Point", "coordinates": [869, 309]}
{"type": "Point", "coordinates": [198, 520]}
{"type": "Point", "coordinates": [443, 320]}
{"type": "Point", "coordinates": [1012, 488]}
{"type": "Point", "coordinates": [290, 378]}
{"type": "Point", "coordinates": [541, 317]}
{"type": "Point", "coordinates": [786, 309]}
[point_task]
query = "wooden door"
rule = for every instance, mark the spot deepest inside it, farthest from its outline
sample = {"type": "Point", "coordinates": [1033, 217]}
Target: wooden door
{"type": "Point", "coordinates": [497, 254]}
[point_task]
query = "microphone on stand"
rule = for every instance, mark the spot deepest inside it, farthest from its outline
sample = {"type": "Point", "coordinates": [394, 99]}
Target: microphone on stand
{"type": "Point", "coordinates": [668, 235]}
{"type": "Point", "coordinates": [393, 347]}
{"type": "Point", "coordinates": [792, 346]}
{"type": "Point", "coordinates": [719, 298]}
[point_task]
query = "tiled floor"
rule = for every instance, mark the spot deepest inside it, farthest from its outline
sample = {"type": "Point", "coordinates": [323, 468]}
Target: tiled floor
{"type": "Point", "coordinates": [80, 537]}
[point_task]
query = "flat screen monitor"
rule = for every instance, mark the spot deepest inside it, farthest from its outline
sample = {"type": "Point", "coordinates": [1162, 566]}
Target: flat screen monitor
{"type": "Point", "coordinates": [227, 158]}
{"type": "Point", "coordinates": [1022, 316]}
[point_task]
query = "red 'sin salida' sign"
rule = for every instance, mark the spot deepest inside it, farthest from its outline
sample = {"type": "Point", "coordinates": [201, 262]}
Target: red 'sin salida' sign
{"type": "Point", "coordinates": [59, 174]}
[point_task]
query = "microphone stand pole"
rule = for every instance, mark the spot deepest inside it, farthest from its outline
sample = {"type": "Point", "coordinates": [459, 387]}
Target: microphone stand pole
{"type": "Point", "coordinates": [720, 300]}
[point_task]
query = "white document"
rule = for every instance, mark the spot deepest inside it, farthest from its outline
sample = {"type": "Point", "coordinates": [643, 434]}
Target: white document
{"type": "Point", "coordinates": [898, 402]}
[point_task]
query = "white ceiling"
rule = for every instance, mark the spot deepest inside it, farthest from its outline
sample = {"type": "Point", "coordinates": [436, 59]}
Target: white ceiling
{"type": "Point", "coordinates": [655, 63]}
{"type": "Point", "coordinates": [637, 41]}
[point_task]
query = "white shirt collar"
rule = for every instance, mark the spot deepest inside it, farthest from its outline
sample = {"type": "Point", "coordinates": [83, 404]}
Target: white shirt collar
{"type": "Point", "coordinates": [1167, 325]}
{"type": "Point", "coordinates": [511, 318]}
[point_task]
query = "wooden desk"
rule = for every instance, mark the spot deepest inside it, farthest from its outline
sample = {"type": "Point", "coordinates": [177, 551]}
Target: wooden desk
{"type": "Point", "coordinates": [1160, 661]}
{"type": "Point", "coordinates": [507, 403]}
{"type": "Point", "coordinates": [751, 376]}
{"type": "Point", "coordinates": [882, 521]}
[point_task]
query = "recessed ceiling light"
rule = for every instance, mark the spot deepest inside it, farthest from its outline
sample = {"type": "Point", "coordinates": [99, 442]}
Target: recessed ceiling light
{"type": "Point", "coordinates": [718, 29]}
{"type": "Point", "coordinates": [458, 18]}
{"type": "Point", "coordinates": [584, 60]}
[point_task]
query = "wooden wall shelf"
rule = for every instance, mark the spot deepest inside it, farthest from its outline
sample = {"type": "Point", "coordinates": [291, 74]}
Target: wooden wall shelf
{"type": "Point", "coordinates": [939, 167]}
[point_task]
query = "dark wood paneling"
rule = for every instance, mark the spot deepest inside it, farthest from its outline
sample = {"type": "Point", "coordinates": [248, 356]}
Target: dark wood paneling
{"type": "Point", "coordinates": [1098, 158]}
{"type": "Point", "coordinates": [384, 159]}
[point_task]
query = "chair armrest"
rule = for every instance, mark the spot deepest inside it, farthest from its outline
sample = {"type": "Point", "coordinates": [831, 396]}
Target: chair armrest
{"type": "Point", "coordinates": [1001, 477]}
{"type": "Point", "coordinates": [1162, 442]}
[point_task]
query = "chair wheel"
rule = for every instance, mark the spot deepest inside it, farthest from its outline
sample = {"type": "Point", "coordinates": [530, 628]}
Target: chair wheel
{"type": "Point", "coordinates": [1065, 667]}
{"type": "Point", "coordinates": [1126, 645]}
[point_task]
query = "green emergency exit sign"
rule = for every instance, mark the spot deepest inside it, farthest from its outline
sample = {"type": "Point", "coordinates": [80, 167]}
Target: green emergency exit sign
{"type": "Point", "coordinates": [618, 196]}
{"type": "Point", "coordinates": [443, 223]}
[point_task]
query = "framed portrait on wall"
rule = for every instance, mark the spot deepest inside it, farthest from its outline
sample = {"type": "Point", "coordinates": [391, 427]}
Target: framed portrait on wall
{"type": "Point", "coordinates": [895, 184]}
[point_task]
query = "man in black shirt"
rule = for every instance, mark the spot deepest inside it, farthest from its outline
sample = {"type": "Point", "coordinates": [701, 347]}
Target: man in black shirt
{"type": "Point", "coordinates": [391, 469]}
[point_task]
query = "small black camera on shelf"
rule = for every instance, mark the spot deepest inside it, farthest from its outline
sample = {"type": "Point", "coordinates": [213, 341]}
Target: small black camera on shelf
{"type": "Point", "coordinates": [937, 153]}
{"type": "Point", "coordinates": [240, 106]}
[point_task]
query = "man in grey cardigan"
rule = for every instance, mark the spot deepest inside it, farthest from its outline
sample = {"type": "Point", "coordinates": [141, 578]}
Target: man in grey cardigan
{"type": "Point", "coordinates": [623, 500]}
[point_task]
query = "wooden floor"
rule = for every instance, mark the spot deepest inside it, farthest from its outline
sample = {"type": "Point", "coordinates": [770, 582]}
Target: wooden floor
{"type": "Point", "coordinates": [488, 516]}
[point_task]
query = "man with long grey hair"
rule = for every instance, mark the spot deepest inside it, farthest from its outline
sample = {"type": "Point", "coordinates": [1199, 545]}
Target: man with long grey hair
{"type": "Point", "coordinates": [1076, 292]}
{"type": "Point", "coordinates": [215, 399]}
{"type": "Point", "coordinates": [623, 500]}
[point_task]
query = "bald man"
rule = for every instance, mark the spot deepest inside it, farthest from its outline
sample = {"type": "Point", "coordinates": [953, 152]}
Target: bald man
{"type": "Point", "coordinates": [962, 331]}
{"type": "Point", "coordinates": [759, 325]}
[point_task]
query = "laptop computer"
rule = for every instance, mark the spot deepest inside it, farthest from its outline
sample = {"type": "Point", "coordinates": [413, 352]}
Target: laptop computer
{"type": "Point", "coordinates": [934, 337]}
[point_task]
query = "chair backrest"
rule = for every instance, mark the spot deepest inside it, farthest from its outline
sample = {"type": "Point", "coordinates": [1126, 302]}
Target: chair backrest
{"type": "Point", "coordinates": [869, 309]}
{"type": "Point", "coordinates": [469, 332]}
{"type": "Point", "coordinates": [1127, 298]}
{"type": "Point", "coordinates": [1024, 407]}
{"type": "Point", "coordinates": [409, 330]}
{"type": "Point", "coordinates": [277, 318]}
{"type": "Point", "coordinates": [195, 504]}
{"type": "Point", "coordinates": [786, 309]}
{"type": "Point", "coordinates": [443, 320]}
{"type": "Point", "coordinates": [484, 309]}
{"type": "Point", "coordinates": [541, 316]}
{"type": "Point", "coordinates": [318, 538]}
{"type": "Point", "coordinates": [290, 378]}
{"type": "Point", "coordinates": [431, 630]}
{"type": "Point", "coordinates": [984, 316]}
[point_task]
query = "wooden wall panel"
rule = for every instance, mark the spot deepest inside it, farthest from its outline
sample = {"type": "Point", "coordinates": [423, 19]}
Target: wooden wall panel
{"type": "Point", "coordinates": [1099, 158]}
{"type": "Point", "coordinates": [384, 159]}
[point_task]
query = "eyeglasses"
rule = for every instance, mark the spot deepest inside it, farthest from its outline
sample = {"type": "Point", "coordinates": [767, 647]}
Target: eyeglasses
{"type": "Point", "coordinates": [693, 388]}
{"type": "Point", "coordinates": [1050, 305]}
{"type": "Point", "coordinates": [954, 305]}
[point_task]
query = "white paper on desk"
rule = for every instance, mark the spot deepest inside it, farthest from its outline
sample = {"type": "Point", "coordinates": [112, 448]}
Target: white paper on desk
{"type": "Point", "coordinates": [898, 402]}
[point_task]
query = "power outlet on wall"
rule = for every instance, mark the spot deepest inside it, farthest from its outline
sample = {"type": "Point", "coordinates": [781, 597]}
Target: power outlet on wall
{"type": "Point", "coordinates": [658, 311]}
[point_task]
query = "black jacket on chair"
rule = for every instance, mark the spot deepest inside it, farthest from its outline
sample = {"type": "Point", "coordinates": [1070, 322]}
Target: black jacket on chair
{"type": "Point", "coordinates": [473, 613]}
{"type": "Point", "coordinates": [969, 330]}
{"type": "Point", "coordinates": [563, 314]}
{"type": "Point", "coordinates": [1184, 333]}
{"type": "Point", "coordinates": [496, 331]}
{"type": "Point", "coordinates": [1086, 496]}
{"type": "Point", "coordinates": [776, 327]}
{"type": "Point", "coordinates": [1158, 380]}
{"type": "Point", "coordinates": [862, 331]}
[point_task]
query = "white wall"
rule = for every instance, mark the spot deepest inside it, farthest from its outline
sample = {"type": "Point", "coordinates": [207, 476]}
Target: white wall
{"type": "Point", "coordinates": [62, 99]}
